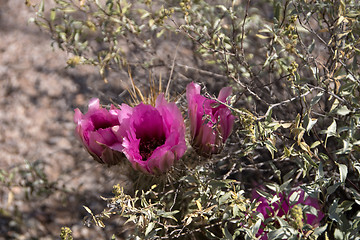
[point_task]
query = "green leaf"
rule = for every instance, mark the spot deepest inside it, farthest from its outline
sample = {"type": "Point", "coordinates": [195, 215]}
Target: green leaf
{"type": "Point", "coordinates": [347, 146]}
{"type": "Point", "coordinates": [316, 99]}
{"type": "Point", "coordinates": [285, 184]}
{"type": "Point", "coordinates": [282, 221]}
{"type": "Point", "coordinates": [132, 218]}
{"type": "Point", "coordinates": [274, 199]}
{"type": "Point", "coordinates": [168, 214]}
{"type": "Point", "coordinates": [315, 144]}
{"type": "Point", "coordinates": [264, 194]}
{"type": "Point", "coordinates": [277, 234]}
{"type": "Point", "coordinates": [222, 7]}
{"type": "Point", "coordinates": [149, 228]}
{"type": "Point", "coordinates": [330, 131]}
{"type": "Point", "coordinates": [52, 14]}
{"type": "Point", "coordinates": [188, 221]}
{"type": "Point", "coordinates": [268, 114]}
{"type": "Point", "coordinates": [217, 184]}
{"type": "Point", "coordinates": [224, 198]}
{"type": "Point", "coordinates": [226, 233]}
{"type": "Point", "coordinates": [63, 36]}
{"type": "Point", "coordinates": [294, 197]}
{"type": "Point", "coordinates": [312, 46]}
{"type": "Point", "coordinates": [288, 176]}
{"type": "Point", "coordinates": [323, 156]}
{"type": "Point", "coordinates": [346, 205]}
{"type": "Point", "coordinates": [256, 227]}
{"type": "Point", "coordinates": [318, 231]}
{"type": "Point", "coordinates": [88, 209]}
{"type": "Point", "coordinates": [357, 167]}
{"type": "Point", "coordinates": [236, 211]}
{"type": "Point", "coordinates": [277, 10]}
{"type": "Point", "coordinates": [338, 235]}
{"type": "Point", "coordinates": [343, 172]}
{"type": "Point", "coordinates": [330, 190]}
{"type": "Point", "coordinates": [334, 105]}
{"type": "Point", "coordinates": [41, 7]}
{"type": "Point", "coordinates": [273, 187]}
{"type": "Point", "coordinates": [210, 235]}
{"type": "Point", "coordinates": [159, 34]}
{"type": "Point", "coordinates": [306, 148]}
{"type": "Point", "coordinates": [333, 215]}
{"type": "Point", "coordinates": [343, 111]}
{"type": "Point", "coordinates": [271, 148]}
{"type": "Point", "coordinates": [310, 210]}
{"type": "Point", "coordinates": [309, 122]}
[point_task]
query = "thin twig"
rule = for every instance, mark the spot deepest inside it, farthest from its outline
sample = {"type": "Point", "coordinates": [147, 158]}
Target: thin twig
{"type": "Point", "coordinates": [243, 28]}
{"type": "Point", "coordinates": [331, 50]}
{"type": "Point", "coordinates": [172, 70]}
{"type": "Point", "coordinates": [212, 74]}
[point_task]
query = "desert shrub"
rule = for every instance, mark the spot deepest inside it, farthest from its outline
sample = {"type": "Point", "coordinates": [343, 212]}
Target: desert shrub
{"type": "Point", "coordinates": [293, 69]}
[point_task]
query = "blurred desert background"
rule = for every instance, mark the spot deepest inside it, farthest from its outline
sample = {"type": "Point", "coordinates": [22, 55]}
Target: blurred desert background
{"type": "Point", "coordinates": [46, 176]}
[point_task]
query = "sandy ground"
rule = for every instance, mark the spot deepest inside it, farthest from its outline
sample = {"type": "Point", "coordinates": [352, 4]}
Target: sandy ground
{"type": "Point", "coordinates": [37, 97]}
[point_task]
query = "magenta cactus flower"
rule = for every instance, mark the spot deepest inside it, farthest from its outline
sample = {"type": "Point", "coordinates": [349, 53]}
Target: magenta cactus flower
{"type": "Point", "coordinates": [282, 207]}
{"type": "Point", "coordinates": [153, 137]}
{"type": "Point", "coordinates": [95, 131]}
{"type": "Point", "coordinates": [210, 122]}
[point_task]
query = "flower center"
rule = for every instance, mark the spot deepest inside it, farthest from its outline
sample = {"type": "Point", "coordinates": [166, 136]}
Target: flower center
{"type": "Point", "coordinates": [102, 125]}
{"type": "Point", "coordinates": [148, 145]}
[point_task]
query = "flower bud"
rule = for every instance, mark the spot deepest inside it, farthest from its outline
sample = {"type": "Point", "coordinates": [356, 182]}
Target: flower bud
{"type": "Point", "coordinates": [210, 121]}
{"type": "Point", "coordinates": [95, 129]}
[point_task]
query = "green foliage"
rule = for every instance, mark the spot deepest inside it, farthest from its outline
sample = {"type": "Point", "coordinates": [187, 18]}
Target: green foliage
{"type": "Point", "coordinates": [195, 205]}
{"type": "Point", "coordinates": [294, 69]}
{"type": "Point", "coordinates": [31, 177]}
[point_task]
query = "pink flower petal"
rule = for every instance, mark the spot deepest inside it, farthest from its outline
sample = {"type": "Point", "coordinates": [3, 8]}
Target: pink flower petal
{"type": "Point", "coordinates": [78, 115]}
{"type": "Point", "coordinates": [94, 129]}
{"type": "Point", "coordinates": [94, 104]}
{"type": "Point", "coordinates": [224, 94]}
{"type": "Point", "coordinates": [282, 207]}
{"type": "Point", "coordinates": [161, 160]}
{"type": "Point", "coordinates": [210, 122]}
{"type": "Point", "coordinates": [155, 136]}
